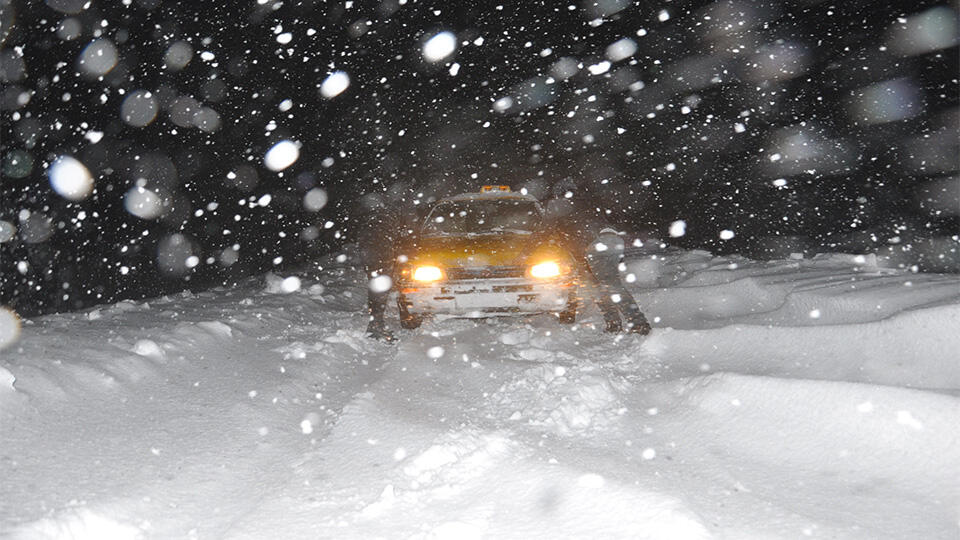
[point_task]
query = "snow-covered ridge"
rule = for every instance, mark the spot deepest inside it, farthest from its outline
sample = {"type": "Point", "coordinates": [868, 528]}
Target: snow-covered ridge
{"type": "Point", "coordinates": [772, 400]}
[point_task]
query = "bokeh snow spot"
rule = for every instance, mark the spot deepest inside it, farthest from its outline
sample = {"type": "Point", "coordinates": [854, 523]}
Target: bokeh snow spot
{"type": "Point", "coordinates": [7, 231]}
{"type": "Point", "coordinates": [315, 199]}
{"type": "Point", "coordinates": [178, 55]}
{"type": "Point", "coordinates": [70, 178]}
{"type": "Point", "coordinates": [335, 84]}
{"type": "Point", "coordinates": [98, 58]}
{"type": "Point", "coordinates": [503, 104]}
{"type": "Point", "coordinates": [69, 29]}
{"type": "Point", "coordinates": [678, 228]}
{"type": "Point", "coordinates": [439, 47]}
{"type": "Point", "coordinates": [68, 7]}
{"type": "Point", "coordinates": [924, 32]}
{"type": "Point", "coordinates": [380, 284]}
{"type": "Point", "coordinates": [206, 119]}
{"type": "Point", "coordinates": [139, 108]}
{"type": "Point", "coordinates": [290, 284]}
{"type": "Point", "coordinates": [35, 228]}
{"type": "Point", "coordinates": [309, 422]}
{"type": "Point", "coordinates": [621, 50]}
{"type": "Point", "coordinates": [174, 254]}
{"type": "Point", "coordinates": [143, 203]}
{"type": "Point", "coordinates": [888, 101]}
{"type": "Point", "coordinates": [599, 68]}
{"type": "Point", "coordinates": [282, 155]}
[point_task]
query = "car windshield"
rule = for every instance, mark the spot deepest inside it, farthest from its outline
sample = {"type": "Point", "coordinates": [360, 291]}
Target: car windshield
{"type": "Point", "coordinates": [483, 217]}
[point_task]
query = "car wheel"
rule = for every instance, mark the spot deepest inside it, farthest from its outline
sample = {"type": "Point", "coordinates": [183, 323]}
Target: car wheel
{"type": "Point", "coordinates": [408, 321]}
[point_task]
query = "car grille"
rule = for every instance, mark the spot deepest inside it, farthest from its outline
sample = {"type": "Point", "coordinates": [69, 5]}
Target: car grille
{"type": "Point", "coordinates": [485, 272]}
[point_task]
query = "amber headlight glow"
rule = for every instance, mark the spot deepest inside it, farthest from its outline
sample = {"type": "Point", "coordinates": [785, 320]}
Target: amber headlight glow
{"type": "Point", "coordinates": [427, 274]}
{"type": "Point", "coordinates": [546, 269]}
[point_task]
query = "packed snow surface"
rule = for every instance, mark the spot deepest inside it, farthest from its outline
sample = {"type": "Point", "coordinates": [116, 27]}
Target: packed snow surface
{"type": "Point", "coordinates": [787, 399]}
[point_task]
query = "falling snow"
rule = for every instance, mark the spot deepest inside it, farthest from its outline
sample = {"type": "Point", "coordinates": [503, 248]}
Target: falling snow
{"type": "Point", "coordinates": [183, 189]}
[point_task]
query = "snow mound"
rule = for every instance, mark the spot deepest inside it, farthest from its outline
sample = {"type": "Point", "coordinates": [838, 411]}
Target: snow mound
{"type": "Point", "coordinates": [6, 381]}
{"type": "Point", "coordinates": [193, 333]}
{"type": "Point", "coordinates": [458, 457]}
{"type": "Point", "coordinates": [563, 400]}
{"type": "Point", "coordinates": [77, 524]}
{"type": "Point", "coordinates": [833, 427]}
{"type": "Point", "coordinates": [216, 328]}
{"type": "Point", "coordinates": [149, 348]}
{"type": "Point", "coordinates": [515, 337]}
{"type": "Point", "coordinates": [914, 349]}
{"type": "Point", "coordinates": [125, 306]}
{"type": "Point", "coordinates": [299, 350]}
{"type": "Point", "coordinates": [355, 340]}
{"type": "Point", "coordinates": [281, 285]}
{"type": "Point", "coordinates": [8, 392]}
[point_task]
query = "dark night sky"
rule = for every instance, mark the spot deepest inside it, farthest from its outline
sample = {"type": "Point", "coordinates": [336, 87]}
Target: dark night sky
{"type": "Point", "coordinates": [798, 126]}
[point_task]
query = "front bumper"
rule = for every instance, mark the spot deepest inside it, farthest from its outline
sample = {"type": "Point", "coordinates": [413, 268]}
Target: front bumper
{"type": "Point", "coordinates": [484, 297]}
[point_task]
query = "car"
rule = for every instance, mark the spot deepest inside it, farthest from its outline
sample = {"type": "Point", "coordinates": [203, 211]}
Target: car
{"type": "Point", "coordinates": [486, 254]}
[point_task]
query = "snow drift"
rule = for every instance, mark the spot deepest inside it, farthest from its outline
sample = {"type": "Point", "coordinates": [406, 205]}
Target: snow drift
{"type": "Point", "coordinates": [773, 400]}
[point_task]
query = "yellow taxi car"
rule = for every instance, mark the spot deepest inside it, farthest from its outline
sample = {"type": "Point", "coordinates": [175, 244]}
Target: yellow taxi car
{"type": "Point", "coordinates": [486, 254]}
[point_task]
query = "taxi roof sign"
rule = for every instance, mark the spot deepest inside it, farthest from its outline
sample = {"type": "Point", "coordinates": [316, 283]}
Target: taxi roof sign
{"type": "Point", "coordinates": [488, 189]}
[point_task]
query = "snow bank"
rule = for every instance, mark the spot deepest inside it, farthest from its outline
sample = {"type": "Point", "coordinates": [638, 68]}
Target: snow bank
{"type": "Point", "coordinates": [773, 400]}
{"type": "Point", "coordinates": [835, 317]}
{"type": "Point", "coordinates": [914, 349]}
{"type": "Point", "coordinates": [801, 448]}
{"type": "Point", "coordinates": [905, 435]}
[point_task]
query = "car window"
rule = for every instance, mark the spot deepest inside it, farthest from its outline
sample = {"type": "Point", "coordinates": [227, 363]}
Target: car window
{"type": "Point", "coordinates": [483, 217]}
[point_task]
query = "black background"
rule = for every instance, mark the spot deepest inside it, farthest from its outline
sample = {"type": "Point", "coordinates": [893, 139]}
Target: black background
{"type": "Point", "coordinates": [871, 187]}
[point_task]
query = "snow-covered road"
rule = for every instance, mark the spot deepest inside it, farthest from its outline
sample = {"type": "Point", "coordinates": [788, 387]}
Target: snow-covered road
{"type": "Point", "coordinates": [779, 399]}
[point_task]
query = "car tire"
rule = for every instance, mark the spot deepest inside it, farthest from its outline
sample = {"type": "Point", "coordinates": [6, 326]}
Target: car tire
{"type": "Point", "coordinates": [408, 321]}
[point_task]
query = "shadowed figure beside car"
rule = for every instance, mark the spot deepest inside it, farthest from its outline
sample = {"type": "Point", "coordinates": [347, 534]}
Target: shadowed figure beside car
{"type": "Point", "coordinates": [378, 234]}
{"type": "Point", "coordinates": [591, 237]}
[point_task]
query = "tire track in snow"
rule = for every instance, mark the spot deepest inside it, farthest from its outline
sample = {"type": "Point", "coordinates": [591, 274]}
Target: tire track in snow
{"type": "Point", "coordinates": [430, 451]}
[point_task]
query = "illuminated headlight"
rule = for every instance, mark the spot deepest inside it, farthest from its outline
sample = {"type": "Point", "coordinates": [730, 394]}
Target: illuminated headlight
{"type": "Point", "coordinates": [546, 269]}
{"type": "Point", "coordinates": [427, 274]}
